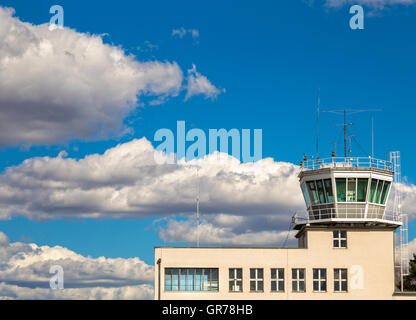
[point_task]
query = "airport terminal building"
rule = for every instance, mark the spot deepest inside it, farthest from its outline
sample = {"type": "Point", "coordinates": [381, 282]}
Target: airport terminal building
{"type": "Point", "coordinates": [346, 246]}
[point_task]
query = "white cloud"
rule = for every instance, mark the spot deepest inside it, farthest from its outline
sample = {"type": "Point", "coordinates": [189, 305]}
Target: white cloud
{"type": "Point", "coordinates": [182, 32]}
{"type": "Point", "coordinates": [125, 181]}
{"type": "Point", "coordinates": [62, 84]}
{"type": "Point", "coordinates": [375, 4]}
{"type": "Point", "coordinates": [199, 84]}
{"type": "Point", "coordinates": [210, 234]}
{"type": "Point", "coordinates": [24, 273]}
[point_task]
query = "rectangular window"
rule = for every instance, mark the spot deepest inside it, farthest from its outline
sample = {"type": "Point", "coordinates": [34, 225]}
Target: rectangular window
{"type": "Point", "coordinates": [256, 280]}
{"type": "Point", "coordinates": [321, 191]}
{"type": "Point", "coordinates": [352, 187]}
{"type": "Point", "coordinates": [236, 279]}
{"type": "Point", "coordinates": [378, 192]}
{"type": "Point", "coordinates": [278, 280]}
{"type": "Point", "coordinates": [341, 189]}
{"type": "Point", "coordinates": [373, 188]}
{"type": "Point", "coordinates": [319, 280]}
{"type": "Point", "coordinates": [328, 190]}
{"type": "Point", "coordinates": [385, 192]}
{"type": "Point", "coordinates": [191, 279]}
{"type": "Point", "coordinates": [362, 186]}
{"type": "Point", "coordinates": [306, 195]}
{"type": "Point", "coordinates": [340, 280]}
{"type": "Point", "coordinates": [340, 238]}
{"type": "Point", "coordinates": [298, 280]}
{"type": "Point", "coordinates": [313, 192]}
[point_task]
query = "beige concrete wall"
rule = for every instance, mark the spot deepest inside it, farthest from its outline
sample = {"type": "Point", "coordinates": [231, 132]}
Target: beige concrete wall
{"type": "Point", "coordinates": [371, 250]}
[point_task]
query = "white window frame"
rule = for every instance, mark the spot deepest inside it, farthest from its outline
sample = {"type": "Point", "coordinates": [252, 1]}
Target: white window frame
{"type": "Point", "coordinates": [320, 280]}
{"type": "Point", "coordinates": [340, 280]}
{"type": "Point", "coordinates": [235, 279]}
{"type": "Point", "coordinates": [339, 238]}
{"type": "Point", "coordinates": [277, 279]}
{"type": "Point", "coordinates": [257, 280]}
{"type": "Point", "coordinates": [298, 280]}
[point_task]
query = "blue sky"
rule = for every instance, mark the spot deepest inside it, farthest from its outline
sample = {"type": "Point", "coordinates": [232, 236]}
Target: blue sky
{"type": "Point", "coordinates": [271, 57]}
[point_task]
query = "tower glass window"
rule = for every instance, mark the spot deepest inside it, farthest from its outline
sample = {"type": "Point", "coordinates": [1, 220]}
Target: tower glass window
{"type": "Point", "coordinates": [373, 188]}
{"type": "Point", "coordinates": [298, 280]}
{"type": "Point", "coordinates": [319, 280]}
{"type": "Point", "coordinates": [341, 189]}
{"type": "Point", "coordinates": [306, 195]}
{"type": "Point", "coordinates": [378, 192]}
{"type": "Point", "coordinates": [362, 186]}
{"type": "Point", "coordinates": [386, 188]}
{"type": "Point", "coordinates": [340, 280]}
{"type": "Point", "coordinates": [328, 190]}
{"type": "Point", "coordinates": [256, 280]}
{"type": "Point", "coordinates": [351, 190]}
{"type": "Point", "coordinates": [321, 191]}
{"type": "Point", "coordinates": [191, 279]}
{"type": "Point", "coordinates": [313, 192]}
{"type": "Point", "coordinates": [278, 280]}
{"type": "Point", "coordinates": [236, 279]}
{"type": "Point", "coordinates": [340, 238]}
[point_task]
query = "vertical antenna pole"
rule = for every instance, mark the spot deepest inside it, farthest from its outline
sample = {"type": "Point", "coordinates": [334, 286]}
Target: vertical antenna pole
{"type": "Point", "coordinates": [317, 125]}
{"type": "Point", "coordinates": [197, 209]}
{"type": "Point", "coordinates": [345, 134]}
{"type": "Point", "coordinates": [372, 137]}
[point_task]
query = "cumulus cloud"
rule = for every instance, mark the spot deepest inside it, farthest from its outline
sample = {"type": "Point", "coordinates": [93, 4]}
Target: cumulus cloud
{"type": "Point", "coordinates": [62, 84]}
{"type": "Point", "coordinates": [182, 32]}
{"type": "Point", "coordinates": [24, 273]}
{"type": "Point", "coordinates": [200, 85]}
{"type": "Point", "coordinates": [125, 181]}
{"type": "Point", "coordinates": [211, 234]}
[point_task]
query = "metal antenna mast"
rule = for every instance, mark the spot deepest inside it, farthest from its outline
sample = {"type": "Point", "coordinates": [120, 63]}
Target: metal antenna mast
{"type": "Point", "coordinates": [317, 125]}
{"type": "Point", "coordinates": [397, 210]}
{"type": "Point", "coordinates": [197, 208]}
{"type": "Point", "coordinates": [346, 112]}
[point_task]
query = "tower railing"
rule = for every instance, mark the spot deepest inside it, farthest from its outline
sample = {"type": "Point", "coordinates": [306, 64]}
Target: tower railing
{"type": "Point", "coordinates": [349, 162]}
{"type": "Point", "coordinates": [313, 215]}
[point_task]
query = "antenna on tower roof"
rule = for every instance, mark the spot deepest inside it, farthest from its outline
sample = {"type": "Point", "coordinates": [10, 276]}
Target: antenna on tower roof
{"type": "Point", "coordinates": [346, 112]}
{"type": "Point", "coordinates": [197, 208]}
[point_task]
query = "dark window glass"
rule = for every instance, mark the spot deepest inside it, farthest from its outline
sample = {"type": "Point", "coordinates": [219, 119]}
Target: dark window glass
{"type": "Point", "coordinates": [378, 193]}
{"type": "Point", "coordinates": [313, 192]}
{"type": "Point", "coordinates": [321, 191]}
{"type": "Point", "coordinates": [362, 189]}
{"type": "Point", "coordinates": [351, 192]}
{"type": "Point", "coordinates": [385, 192]}
{"type": "Point", "coordinates": [341, 189]}
{"type": "Point", "coordinates": [373, 189]}
{"type": "Point", "coordinates": [328, 190]}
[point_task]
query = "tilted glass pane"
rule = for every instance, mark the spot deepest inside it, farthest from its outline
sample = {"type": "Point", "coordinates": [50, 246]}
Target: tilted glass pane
{"type": "Point", "coordinates": [341, 189]}
{"type": "Point", "coordinates": [321, 191]}
{"type": "Point", "coordinates": [378, 193]}
{"type": "Point", "coordinates": [313, 192]}
{"type": "Point", "coordinates": [306, 195]}
{"type": "Point", "coordinates": [328, 190]}
{"type": "Point", "coordinates": [362, 189]}
{"type": "Point", "coordinates": [385, 192]}
{"type": "Point", "coordinates": [373, 188]}
{"type": "Point", "coordinates": [352, 184]}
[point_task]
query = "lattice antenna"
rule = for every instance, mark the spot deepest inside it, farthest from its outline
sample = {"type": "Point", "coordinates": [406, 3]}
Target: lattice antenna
{"type": "Point", "coordinates": [400, 215]}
